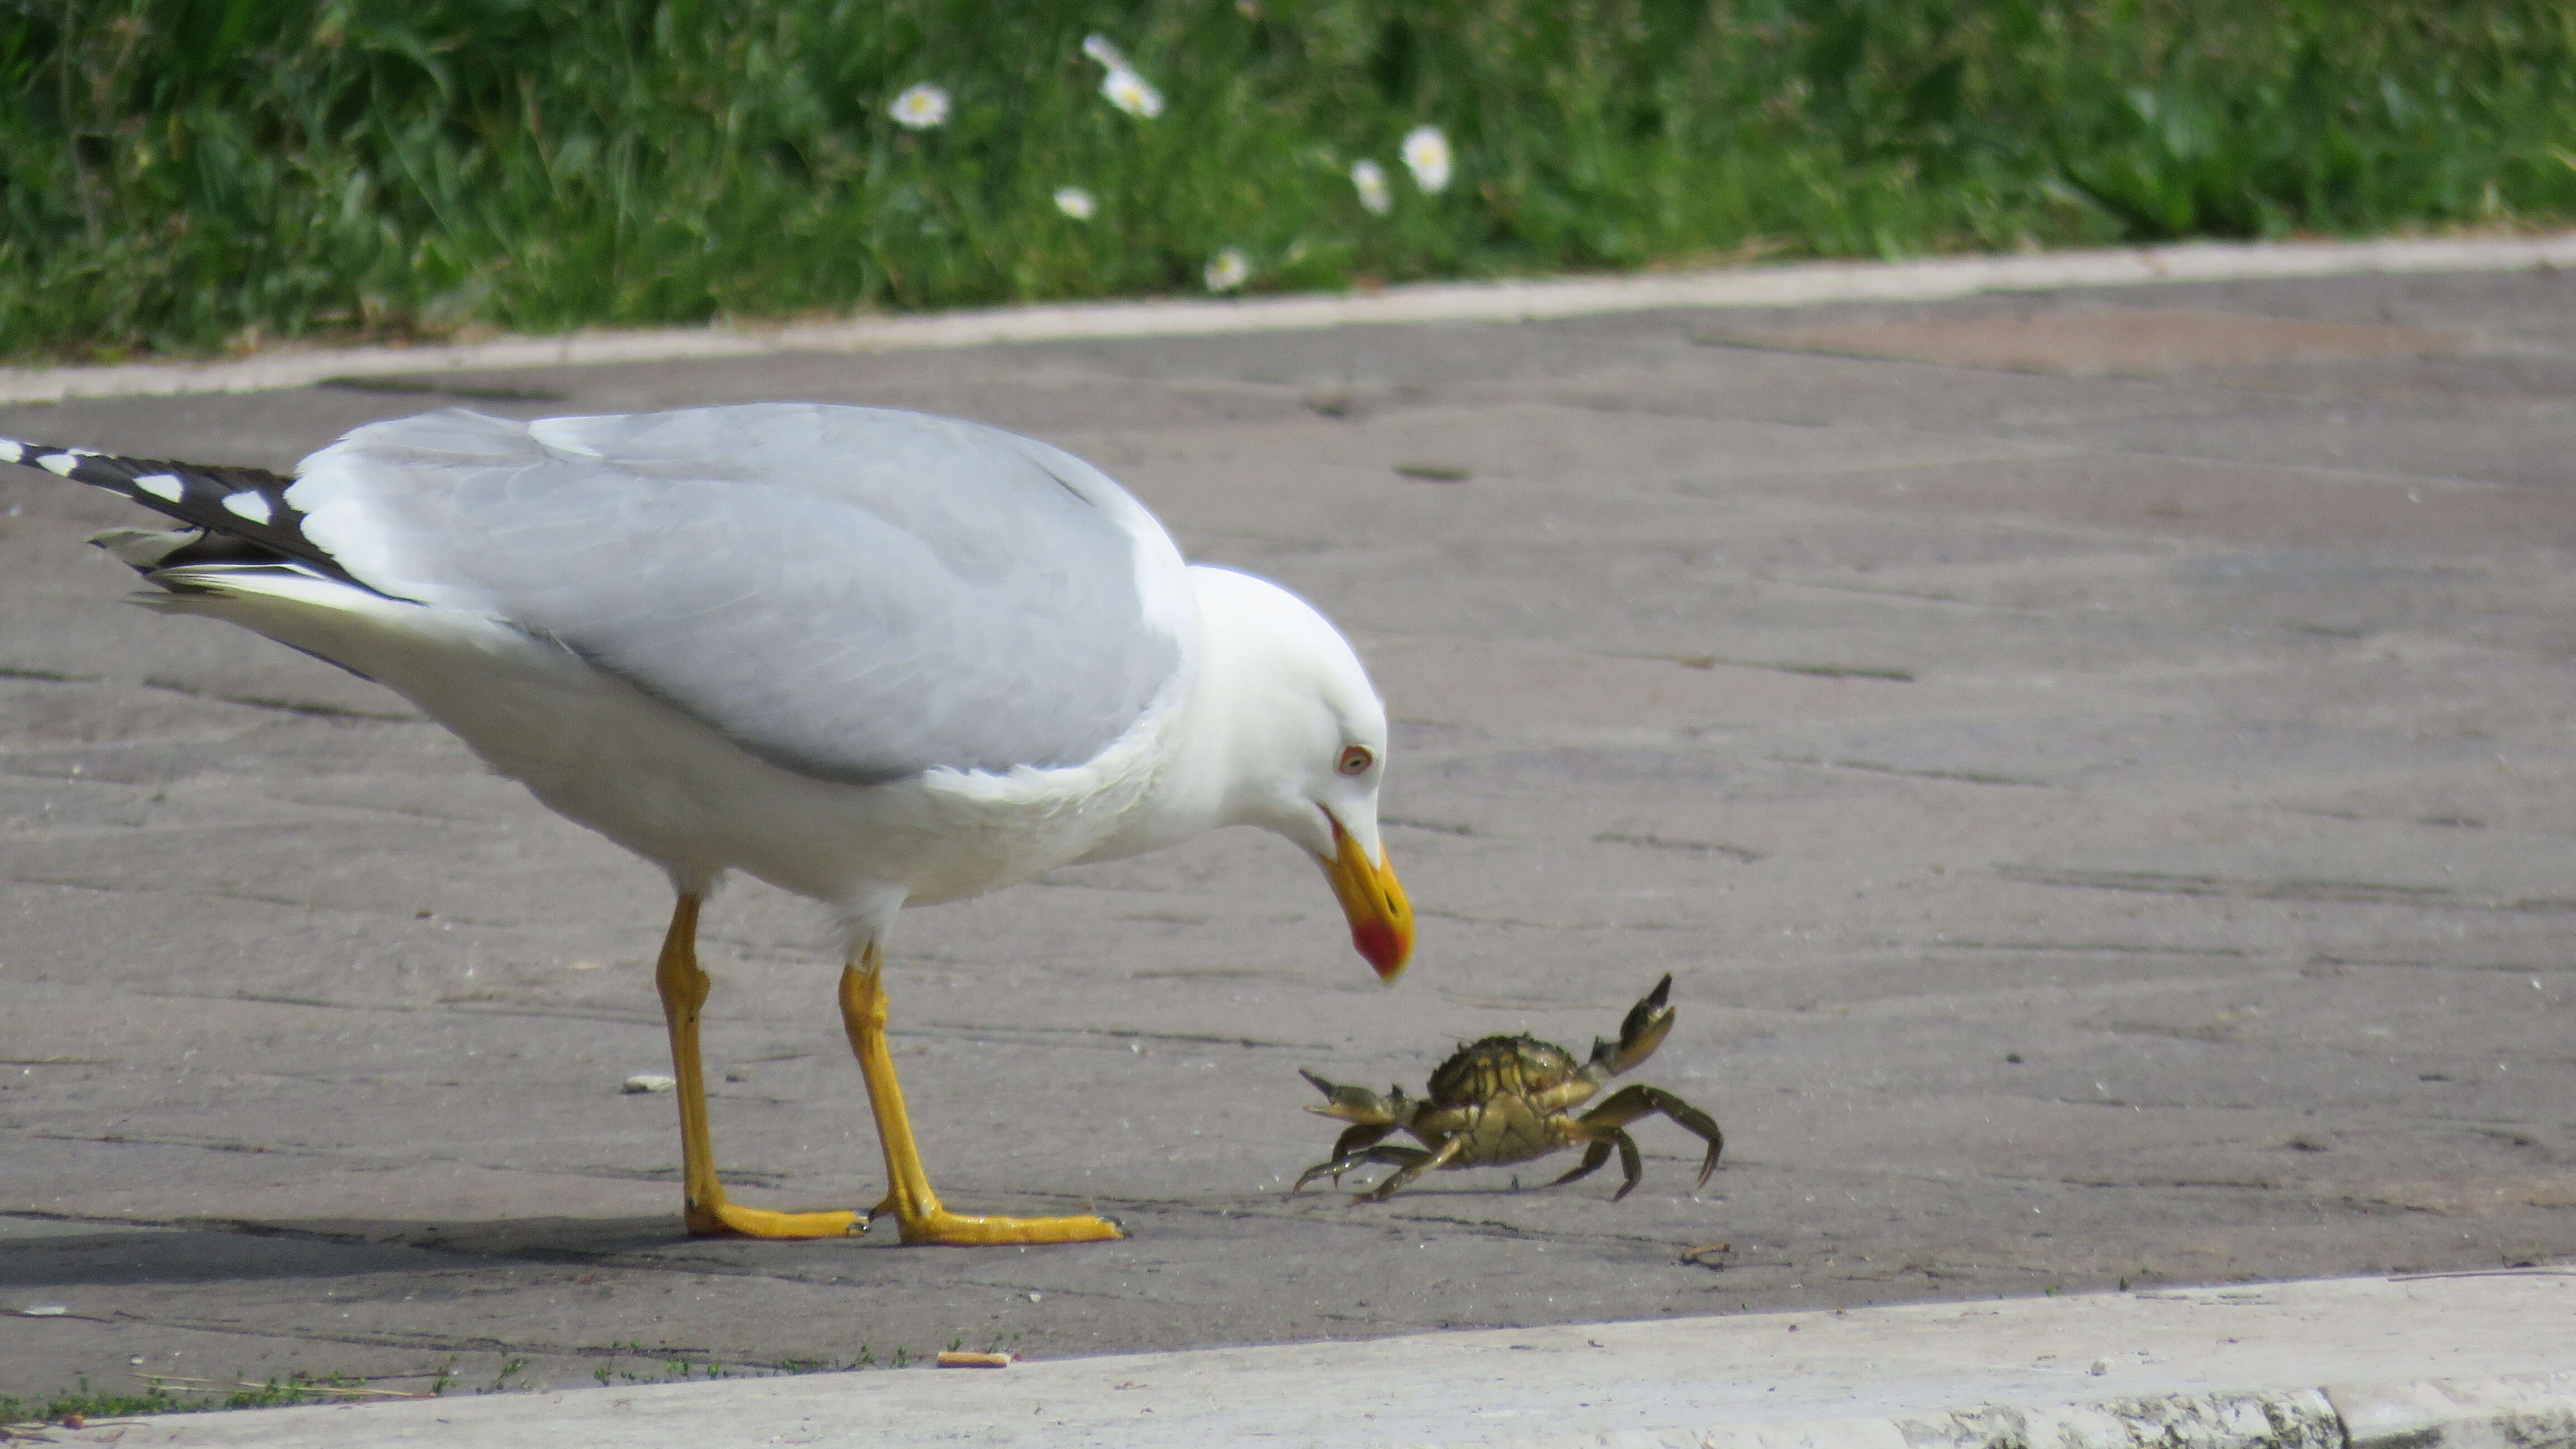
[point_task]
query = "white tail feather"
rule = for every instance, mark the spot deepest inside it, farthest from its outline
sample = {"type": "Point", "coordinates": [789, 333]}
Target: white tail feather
{"type": "Point", "coordinates": [144, 548]}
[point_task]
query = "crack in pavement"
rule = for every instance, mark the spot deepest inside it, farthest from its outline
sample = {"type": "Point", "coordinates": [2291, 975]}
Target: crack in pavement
{"type": "Point", "coordinates": [2324, 960]}
{"type": "Point", "coordinates": [115, 889]}
{"type": "Point", "coordinates": [2284, 889]}
{"type": "Point", "coordinates": [1698, 847]}
{"type": "Point", "coordinates": [460, 1007]}
{"type": "Point", "coordinates": [1967, 777]}
{"type": "Point", "coordinates": [2081, 947]}
{"type": "Point", "coordinates": [1514, 923]}
{"type": "Point", "coordinates": [407, 917]}
{"type": "Point", "coordinates": [1436, 827]}
{"type": "Point", "coordinates": [968, 1031]}
{"type": "Point", "coordinates": [1052, 1036]}
{"type": "Point", "coordinates": [1945, 599]}
{"type": "Point", "coordinates": [1815, 671]}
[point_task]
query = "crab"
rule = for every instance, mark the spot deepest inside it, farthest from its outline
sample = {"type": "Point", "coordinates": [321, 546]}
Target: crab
{"type": "Point", "coordinates": [1509, 1099]}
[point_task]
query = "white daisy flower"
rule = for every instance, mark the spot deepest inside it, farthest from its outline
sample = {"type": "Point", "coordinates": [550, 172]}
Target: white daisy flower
{"type": "Point", "coordinates": [1426, 155]}
{"type": "Point", "coordinates": [1123, 87]}
{"type": "Point", "coordinates": [1132, 93]}
{"type": "Point", "coordinates": [920, 108]}
{"type": "Point", "coordinates": [1229, 271]}
{"type": "Point", "coordinates": [1370, 180]}
{"type": "Point", "coordinates": [1075, 202]}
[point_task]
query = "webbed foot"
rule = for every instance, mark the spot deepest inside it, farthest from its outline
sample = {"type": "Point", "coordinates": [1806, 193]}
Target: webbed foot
{"type": "Point", "coordinates": [966, 1230]}
{"type": "Point", "coordinates": [724, 1219]}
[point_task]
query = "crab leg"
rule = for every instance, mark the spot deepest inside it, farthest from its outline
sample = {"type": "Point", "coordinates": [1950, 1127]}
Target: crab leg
{"type": "Point", "coordinates": [1354, 1148]}
{"type": "Point", "coordinates": [1593, 1156]}
{"type": "Point", "coordinates": [1603, 1124]}
{"type": "Point", "coordinates": [1419, 1163]}
{"type": "Point", "coordinates": [1392, 1156]}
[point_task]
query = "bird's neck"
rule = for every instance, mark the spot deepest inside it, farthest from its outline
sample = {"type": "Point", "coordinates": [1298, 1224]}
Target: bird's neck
{"type": "Point", "coordinates": [1209, 771]}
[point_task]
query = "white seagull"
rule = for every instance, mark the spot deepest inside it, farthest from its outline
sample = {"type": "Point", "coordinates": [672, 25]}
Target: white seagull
{"type": "Point", "coordinates": [875, 658]}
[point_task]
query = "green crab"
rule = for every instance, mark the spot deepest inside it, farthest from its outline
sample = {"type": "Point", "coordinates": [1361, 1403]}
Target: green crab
{"type": "Point", "coordinates": [1508, 1099]}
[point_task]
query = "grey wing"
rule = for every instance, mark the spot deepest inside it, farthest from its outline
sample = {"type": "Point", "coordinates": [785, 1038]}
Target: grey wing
{"type": "Point", "coordinates": [852, 593]}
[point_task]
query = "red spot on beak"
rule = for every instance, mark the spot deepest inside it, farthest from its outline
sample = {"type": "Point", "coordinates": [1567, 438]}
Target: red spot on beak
{"type": "Point", "coordinates": [1373, 900]}
{"type": "Point", "coordinates": [1384, 948]}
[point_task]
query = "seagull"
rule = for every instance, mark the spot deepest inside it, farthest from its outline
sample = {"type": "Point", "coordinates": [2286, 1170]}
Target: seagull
{"type": "Point", "coordinates": [876, 658]}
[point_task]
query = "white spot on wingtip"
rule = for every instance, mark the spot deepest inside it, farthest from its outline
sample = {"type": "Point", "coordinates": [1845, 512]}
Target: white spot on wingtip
{"type": "Point", "coordinates": [163, 486]}
{"type": "Point", "coordinates": [253, 506]}
{"type": "Point", "coordinates": [12, 451]}
{"type": "Point", "coordinates": [58, 464]}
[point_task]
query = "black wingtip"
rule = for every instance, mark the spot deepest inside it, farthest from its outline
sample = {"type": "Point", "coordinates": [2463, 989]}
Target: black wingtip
{"type": "Point", "coordinates": [61, 462]}
{"type": "Point", "coordinates": [1663, 989]}
{"type": "Point", "coordinates": [227, 502]}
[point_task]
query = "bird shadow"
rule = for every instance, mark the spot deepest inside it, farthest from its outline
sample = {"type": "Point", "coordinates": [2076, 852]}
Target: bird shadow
{"type": "Point", "coordinates": [40, 1253]}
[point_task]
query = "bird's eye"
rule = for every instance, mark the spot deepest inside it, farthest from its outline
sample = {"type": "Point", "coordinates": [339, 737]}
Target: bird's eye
{"type": "Point", "coordinates": [1356, 760]}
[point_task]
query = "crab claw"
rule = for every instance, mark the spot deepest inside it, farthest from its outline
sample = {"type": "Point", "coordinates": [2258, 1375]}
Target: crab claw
{"type": "Point", "coordinates": [1648, 1023]}
{"type": "Point", "coordinates": [1357, 1104]}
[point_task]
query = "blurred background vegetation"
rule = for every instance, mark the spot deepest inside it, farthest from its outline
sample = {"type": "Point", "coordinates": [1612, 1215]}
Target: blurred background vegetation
{"type": "Point", "coordinates": [189, 176]}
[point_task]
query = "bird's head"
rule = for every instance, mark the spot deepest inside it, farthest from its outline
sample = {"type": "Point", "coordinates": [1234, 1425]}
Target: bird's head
{"type": "Point", "coordinates": [1304, 747]}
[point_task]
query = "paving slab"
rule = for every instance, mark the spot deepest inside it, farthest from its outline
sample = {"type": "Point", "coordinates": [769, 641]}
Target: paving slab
{"type": "Point", "coordinates": [2104, 827]}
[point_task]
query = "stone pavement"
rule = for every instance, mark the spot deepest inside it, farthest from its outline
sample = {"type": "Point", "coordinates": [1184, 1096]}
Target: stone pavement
{"type": "Point", "coordinates": [2096, 767]}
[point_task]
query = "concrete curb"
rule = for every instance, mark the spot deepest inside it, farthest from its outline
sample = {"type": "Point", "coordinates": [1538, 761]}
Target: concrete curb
{"type": "Point", "coordinates": [1919, 281]}
{"type": "Point", "coordinates": [2472, 1360]}
{"type": "Point", "coordinates": [2519, 1409]}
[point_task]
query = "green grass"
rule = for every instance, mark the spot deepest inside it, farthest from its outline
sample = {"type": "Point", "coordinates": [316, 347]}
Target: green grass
{"type": "Point", "coordinates": [187, 176]}
{"type": "Point", "coordinates": [177, 1396]}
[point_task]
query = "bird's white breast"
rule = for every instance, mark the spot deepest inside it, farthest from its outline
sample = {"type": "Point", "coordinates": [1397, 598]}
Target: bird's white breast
{"type": "Point", "coordinates": [602, 753]}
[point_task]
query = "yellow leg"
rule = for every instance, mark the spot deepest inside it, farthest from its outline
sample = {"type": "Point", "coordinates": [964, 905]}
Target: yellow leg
{"type": "Point", "coordinates": [915, 1207]}
{"type": "Point", "coordinates": [684, 990]}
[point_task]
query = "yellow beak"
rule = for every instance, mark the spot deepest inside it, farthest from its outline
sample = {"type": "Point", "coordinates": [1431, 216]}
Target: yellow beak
{"type": "Point", "coordinates": [1381, 918]}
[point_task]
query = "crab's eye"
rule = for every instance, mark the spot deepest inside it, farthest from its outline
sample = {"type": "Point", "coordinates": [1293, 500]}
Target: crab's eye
{"type": "Point", "coordinates": [1356, 760]}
